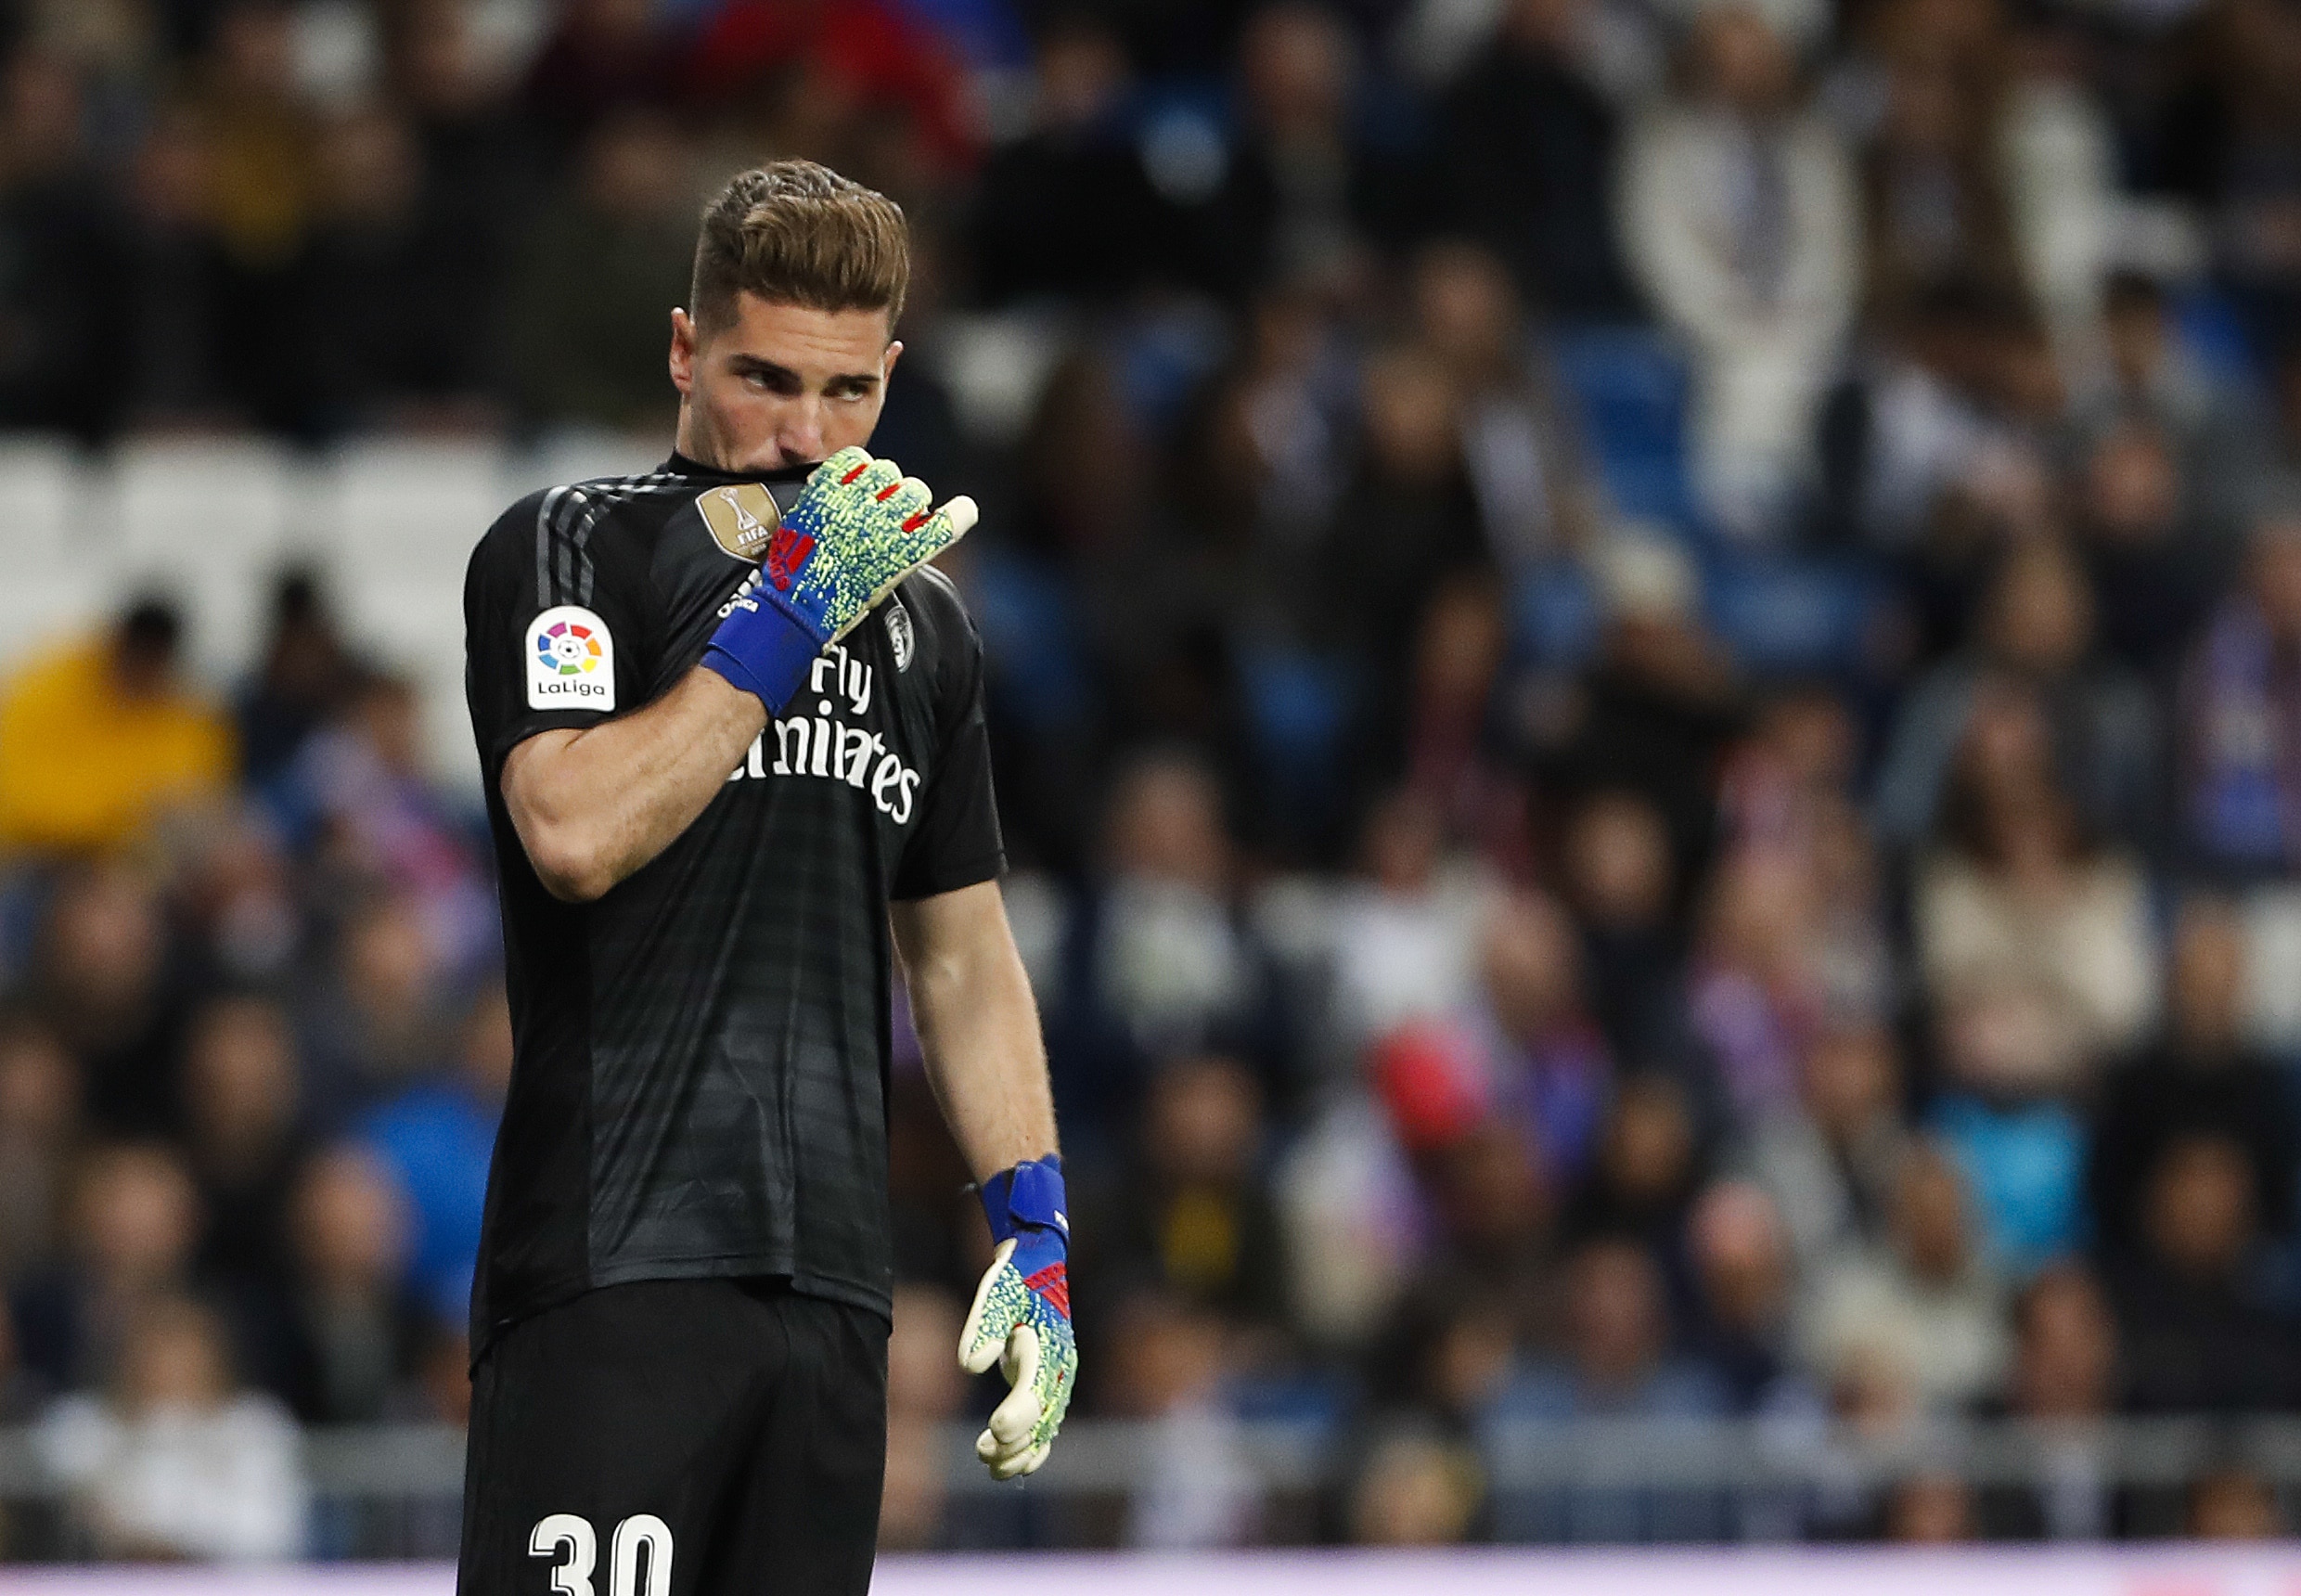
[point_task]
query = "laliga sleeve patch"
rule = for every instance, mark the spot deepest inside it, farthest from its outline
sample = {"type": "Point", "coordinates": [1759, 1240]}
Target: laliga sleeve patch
{"type": "Point", "coordinates": [570, 660]}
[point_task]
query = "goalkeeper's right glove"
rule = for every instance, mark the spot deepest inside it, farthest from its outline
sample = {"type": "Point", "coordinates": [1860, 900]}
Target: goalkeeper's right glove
{"type": "Point", "coordinates": [859, 527]}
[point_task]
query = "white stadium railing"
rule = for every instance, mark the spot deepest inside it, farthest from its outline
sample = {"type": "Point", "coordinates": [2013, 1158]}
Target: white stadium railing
{"type": "Point", "coordinates": [393, 1490]}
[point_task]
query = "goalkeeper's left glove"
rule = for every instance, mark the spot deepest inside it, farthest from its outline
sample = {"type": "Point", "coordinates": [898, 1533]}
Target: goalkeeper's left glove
{"type": "Point", "coordinates": [1021, 1318]}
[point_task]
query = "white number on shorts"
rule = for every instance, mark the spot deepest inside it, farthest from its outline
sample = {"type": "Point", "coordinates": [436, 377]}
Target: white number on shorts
{"type": "Point", "coordinates": [640, 1529]}
{"type": "Point", "coordinates": [573, 1533]}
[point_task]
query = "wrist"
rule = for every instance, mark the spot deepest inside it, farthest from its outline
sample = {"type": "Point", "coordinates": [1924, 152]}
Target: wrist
{"type": "Point", "coordinates": [1028, 1197]}
{"type": "Point", "coordinates": [761, 648]}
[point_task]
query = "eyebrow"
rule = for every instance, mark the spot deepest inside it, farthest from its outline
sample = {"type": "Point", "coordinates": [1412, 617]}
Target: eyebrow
{"type": "Point", "coordinates": [752, 366]}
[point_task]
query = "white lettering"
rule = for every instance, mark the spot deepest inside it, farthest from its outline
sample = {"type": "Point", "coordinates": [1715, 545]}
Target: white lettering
{"type": "Point", "coordinates": [826, 739]}
{"type": "Point", "coordinates": [855, 747]}
{"type": "Point", "coordinates": [901, 814]}
{"type": "Point", "coordinates": [890, 769]}
{"type": "Point", "coordinates": [786, 732]}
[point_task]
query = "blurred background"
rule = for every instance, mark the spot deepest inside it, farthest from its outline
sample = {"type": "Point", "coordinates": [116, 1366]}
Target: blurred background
{"type": "Point", "coordinates": [1645, 659]}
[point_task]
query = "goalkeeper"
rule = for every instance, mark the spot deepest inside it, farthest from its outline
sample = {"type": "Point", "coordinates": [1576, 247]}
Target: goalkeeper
{"type": "Point", "coordinates": [732, 726]}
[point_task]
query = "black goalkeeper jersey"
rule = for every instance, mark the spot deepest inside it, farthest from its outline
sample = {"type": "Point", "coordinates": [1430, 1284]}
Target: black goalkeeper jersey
{"type": "Point", "coordinates": [701, 1054]}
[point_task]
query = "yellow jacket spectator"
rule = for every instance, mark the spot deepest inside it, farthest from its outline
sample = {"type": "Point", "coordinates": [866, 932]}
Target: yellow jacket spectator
{"type": "Point", "coordinates": [98, 736]}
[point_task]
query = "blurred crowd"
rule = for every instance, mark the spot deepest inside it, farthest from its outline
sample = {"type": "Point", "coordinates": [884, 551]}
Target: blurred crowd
{"type": "Point", "coordinates": [1645, 663]}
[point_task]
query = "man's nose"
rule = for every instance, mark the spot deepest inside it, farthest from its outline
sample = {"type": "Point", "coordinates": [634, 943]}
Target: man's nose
{"type": "Point", "coordinates": [801, 435]}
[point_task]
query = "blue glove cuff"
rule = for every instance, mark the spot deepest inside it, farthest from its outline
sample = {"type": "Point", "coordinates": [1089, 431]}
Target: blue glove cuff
{"type": "Point", "coordinates": [763, 649]}
{"type": "Point", "coordinates": [1028, 1196]}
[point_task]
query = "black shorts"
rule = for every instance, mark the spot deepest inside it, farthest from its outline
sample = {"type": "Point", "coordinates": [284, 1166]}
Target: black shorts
{"type": "Point", "coordinates": [732, 1431]}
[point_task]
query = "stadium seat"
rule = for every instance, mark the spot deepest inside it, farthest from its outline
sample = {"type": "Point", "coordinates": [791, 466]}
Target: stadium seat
{"type": "Point", "coordinates": [1627, 389]}
{"type": "Point", "coordinates": [1782, 615]}
{"type": "Point", "coordinates": [44, 486]}
{"type": "Point", "coordinates": [1555, 619]}
{"type": "Point", "coordinates": [203, 522]}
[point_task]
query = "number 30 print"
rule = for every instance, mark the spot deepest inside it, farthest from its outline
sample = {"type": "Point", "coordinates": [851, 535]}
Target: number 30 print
{"type": "Point", "coordinates": [570, 1538]}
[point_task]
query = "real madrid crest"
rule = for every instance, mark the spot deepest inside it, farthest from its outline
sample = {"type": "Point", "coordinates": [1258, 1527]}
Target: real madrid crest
{"type": "Point", "coordinates": [899, 633]}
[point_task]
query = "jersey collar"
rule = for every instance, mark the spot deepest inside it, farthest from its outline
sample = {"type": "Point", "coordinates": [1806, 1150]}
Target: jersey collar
{"type": "Point", "coordinates": [680, 465]}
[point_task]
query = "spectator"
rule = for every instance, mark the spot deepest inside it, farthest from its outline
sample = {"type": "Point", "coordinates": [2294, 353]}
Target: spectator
{"type": "Point", "coordinates": [1756, 989]}
{"type": "Point", "coordinates": [1195, 1491]}
{"type": "Point", "coordinates": [1934, 191]}
{"type": "Point", "coordinates": [1916, 432]}
{"type": "Point", "coordinates": [1738, 219]}
{"type": "Point", "coordinates": [1405, 933]}
{"type": "Point", "coordinates": [367, 791]}
{"type": "Point", "coordinates": [2151, 570]}
{"type": "Point", "coordinates": [1064, 209]}
{"type": "Point", "coordinates": [303, 678]}
{"type": "Point", "coordinates": [1162, 964]}
{"type": "Point", "coordinates": [2198, 1076]}
{"type": "Point", "coordinates": [133, 1226]}
{"type": "Point", "coordinates": [590, 297]}
{"type": "Point", "coordinates": [381, 1021]}
{"type": "Point", "coordinates": [436, 1139]}
{"type": "Point", "coordinates": [64, 276]}
{"type": "Point", "coordinates": [2034, 634]}
{"type": "Point", "coordinates": [242, 1103]}
{"type": "Point", "coordinates": [603, 59]}
{"type": "Point", "coordinates": [2233, 1503]}
{"type": "Point", "coordinates": [390, 281]}
{"type": "Point", "coordinates": [1300, 194]}
{"type": "Point", "coordinates": [2033, 939]}
{"type": "Point", "coordinates": [1923, 1302]}
{"type": "Point", "coordinates": [2151, 374]}
{"type": "Point", "coordinates": [2190, 1295]}
{"type": "Point", "coordinates": [1648, 1169]}
{"type": "Point", "coordinates": [2064, 1383]}
{"type": "Point", "coordinates": [175, 278]}
{"type": "Point", "coordinates": [1830, 1162]}
{"type": "Point", "coordinates": [1415, 1489]}
{"type": "Point", "coordinates": [40, 1119]}
{"type": "Point", "coordinates": [356, 1330]}
{"type": "Point", "coordinates": [262, 186]}
{"type": "Point", "coordinates": [1618, 851]}
{"type": "Point", "coordinates": [1551, 1071]}
{"type": "Point", "coordinates": [862, 86]}
{"type": "Point", "coordinates": [2239, 707]}
{"type": "Point", "coordinates": [1410, 517]}
{"type": "Point", "coordinates": [1655, 712]}
{"type": "Point", "coordinates": [1525, 158]}
{"type": "Point", "coordinates": [1935, 1508]}
{"type": "Point", "coordinates": [234, 900]}
{"type": "Point", "coordinates": [1456, 756]}
{"type": "Point", "coordinates": [1194, 1220]}
{"type": "Point", "coordinates": [1617, 1363]}
{"type": "Point", "coordinates": [1531, 485]}
{"type": "Point", "coordinates": [178, 1461]}
{"type": "Point", "coordinates": [100, 738]}
{"type": "Point", "coordinates": [103, 982]}
{"type": "Point", "coordinates": [1743, 1283]}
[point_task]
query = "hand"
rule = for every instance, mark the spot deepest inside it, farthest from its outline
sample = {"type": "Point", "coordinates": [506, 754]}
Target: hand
{"type": "Point", "coordinates": [860, 526]}
{"type": "Point", "coordinates": [1021, 1317]}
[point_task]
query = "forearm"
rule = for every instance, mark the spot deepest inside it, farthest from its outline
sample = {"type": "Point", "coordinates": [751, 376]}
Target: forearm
{"type": "Point", "coordinates": [593, 807]}
{"type": "Point", "coordinates": [978, 1028]}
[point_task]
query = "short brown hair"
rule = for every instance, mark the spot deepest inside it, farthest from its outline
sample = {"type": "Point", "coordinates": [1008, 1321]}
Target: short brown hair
{"type": "Point", "coordinates": [797, 233]}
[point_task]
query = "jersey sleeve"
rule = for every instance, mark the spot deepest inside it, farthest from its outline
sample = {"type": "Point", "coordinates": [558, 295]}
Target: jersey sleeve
{"type": "Point", "coordinates": [956, 843]}
{"type": "Point", "coordinates": [552, 632]}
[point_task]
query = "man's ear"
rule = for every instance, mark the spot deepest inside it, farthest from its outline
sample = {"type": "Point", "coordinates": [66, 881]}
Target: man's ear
{"type": "Point", "coordinates": [886, 362]}
{"type": "Point", "coordinates": [683, 345]}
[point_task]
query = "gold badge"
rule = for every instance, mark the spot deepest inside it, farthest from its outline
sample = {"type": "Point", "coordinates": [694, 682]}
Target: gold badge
{"type": "Point", "coordinates": [742, 517]}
